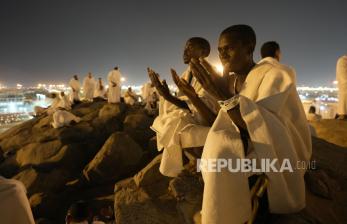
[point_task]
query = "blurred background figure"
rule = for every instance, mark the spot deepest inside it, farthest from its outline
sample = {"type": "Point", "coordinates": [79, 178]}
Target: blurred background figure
{"type": "Point", "coordinates": [114, 85]}
{"type": "Point", "coordinates": [100, 90]}
{"type": "Point", "coordinates": [130, 97]}
{"type": "Point", "coordinates": [88, 87]}
{"type": "Point", "coordinates": [152, 104]}
{"type": "Point", "coordinates": [312, 115]}
{"type": "Point", "coordinates": [75, 89]}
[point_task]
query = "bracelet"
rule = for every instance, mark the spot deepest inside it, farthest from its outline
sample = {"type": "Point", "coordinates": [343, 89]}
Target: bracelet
{"type": "Point", "coordinates": [229, 104]}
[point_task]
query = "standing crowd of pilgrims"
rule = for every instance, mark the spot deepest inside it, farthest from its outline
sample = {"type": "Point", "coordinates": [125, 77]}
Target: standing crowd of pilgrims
{"type": "Point", "coordinates": [251, 111]}
{"type": "Point", "coordinates": [92, 89]}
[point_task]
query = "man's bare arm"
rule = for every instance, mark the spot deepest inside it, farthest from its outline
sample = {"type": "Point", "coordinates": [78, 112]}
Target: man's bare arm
{"type": "Point", "coordinates": [189, 91]}
{"type": "Point", "coordinates": [164, 91]}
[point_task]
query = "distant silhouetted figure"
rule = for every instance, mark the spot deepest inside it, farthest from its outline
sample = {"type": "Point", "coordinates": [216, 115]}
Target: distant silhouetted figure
{"type": "Point", "coordinates": [341, 77]}
{"type": "Point", "coordinates": [312, 116]}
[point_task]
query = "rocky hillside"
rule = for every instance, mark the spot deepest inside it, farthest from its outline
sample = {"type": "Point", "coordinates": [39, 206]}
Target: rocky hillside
{"type": "Point", "coordinates": [150, 198]}
{"type": "Point", "coordinates": [79, 162]}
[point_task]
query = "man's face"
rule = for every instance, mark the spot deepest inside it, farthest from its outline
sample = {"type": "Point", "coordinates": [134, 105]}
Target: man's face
{"type": "Point", "coordinates": [233, 54]}
{"type": "Point", "coordinates": [191, 50]}
{"type": "Point", "coordinates": [90, 75]}
{"type": "Point", "coordinates": [76, 78]}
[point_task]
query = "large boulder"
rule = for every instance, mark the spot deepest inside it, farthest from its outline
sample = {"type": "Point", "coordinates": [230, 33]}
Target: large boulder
{"type": "Point", "coordinates": [38, 153]}
{"type": "Point", "coordinates": [36, 181]}
{"type": "Point", "coordinates": [333, 131]}
{"type": "Point", "coordinates": [133, 205]}
{"type": "Point", "coordinates": [119, 157]}
{"type": "Point", "coordinates": [151, 180]}
{"type": "Point", "coordinates": [111, 110]}
{"type": "Point", "coordinates": [16, 141]}
{"type": "Point", "coordinates": [329, 157]}
{"type": "Point", "coordinates": [138, 127]}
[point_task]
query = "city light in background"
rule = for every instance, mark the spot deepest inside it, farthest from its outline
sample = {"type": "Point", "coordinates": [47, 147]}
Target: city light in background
{"type": "Point", "coordinates": [17, 103]}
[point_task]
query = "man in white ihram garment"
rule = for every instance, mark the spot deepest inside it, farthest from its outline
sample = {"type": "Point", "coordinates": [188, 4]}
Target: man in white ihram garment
{"type": "Point", "coordinates": [114, 85]}
{"type": "Point", "coordinates": [130, 97]}
{"type": "Point", "coordinates": [64, 102]}
{"type": "Point", "coordinates": [14, 204]}
{"type": "Point", "coordinates": [261, 117]}
{"type": "Point", "coordinates": [88, 87]}
{"type": "Point", "coordinates": [38, 110]}
{"type": "Point", "coordinates": [75, 89]}
{"type": "Point", "coordinates": [271, 53]}
{"type": "Point", "coordinates": [341, 77]}
{"type": "Point", "coordinates": [146, 91]}
{"type": "Point", "coordinates": [179, 124]}
{"type": "Point", "coordinates": [62, 118]}
{"type": "Point", "coordinates": [100, 89]}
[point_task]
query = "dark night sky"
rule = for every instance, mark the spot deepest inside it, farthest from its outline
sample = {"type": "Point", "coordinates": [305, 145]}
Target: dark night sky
{"type": "Point", "coordinates": [50, 40]}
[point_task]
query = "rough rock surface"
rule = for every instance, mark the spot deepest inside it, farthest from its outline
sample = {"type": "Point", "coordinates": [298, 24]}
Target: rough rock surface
{"type": "Point", "coordinates": [52, 163]}
{"type": "Point", "coordinates": [141, 197]}
{"type": "Point", "coordinates": [119, 156]}
{"type": "Point", "coordinates": [334, 131]}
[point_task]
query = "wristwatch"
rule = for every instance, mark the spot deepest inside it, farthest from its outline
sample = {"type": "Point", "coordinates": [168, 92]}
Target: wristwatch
{"type": "Point", "coordinates": [229, 104]}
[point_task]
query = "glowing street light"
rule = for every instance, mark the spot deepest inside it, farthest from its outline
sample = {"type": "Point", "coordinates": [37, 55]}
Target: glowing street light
{"type": "Point", "coordinates": [122, 79]}
{"type": "Point", "coordinates": [335, 82]}
{"type": "Point", "coordinates": [219, 68]}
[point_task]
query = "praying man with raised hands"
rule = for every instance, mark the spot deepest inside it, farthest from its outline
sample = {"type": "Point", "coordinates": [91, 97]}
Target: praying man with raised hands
{"type": "Point", "coordinates": [261, 117]}
{"type": "Point", "coordinates": [183, 121]}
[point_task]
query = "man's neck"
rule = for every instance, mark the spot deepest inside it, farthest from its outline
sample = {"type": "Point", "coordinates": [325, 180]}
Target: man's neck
{"type": "Point", "coordinates": [246, 69]}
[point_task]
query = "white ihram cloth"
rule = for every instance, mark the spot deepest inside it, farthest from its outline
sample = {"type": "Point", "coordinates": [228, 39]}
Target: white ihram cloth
{"type": "Point", "coordinates": [130, 98]}
{"type": "Point", "coordinates": [64, 103]}
{"type": "Point", "coordinates": [286, 68]}
{"type": "Point", "coordinates": [276, 122]}
{"type": "Point", "coordinates": [146, 91]}
{"type": "Point", "coordinates": [313, 117]}
{"type": "Point", "coordinates": [63, 118]}
{"type": "Point", "coordinates": [100, 90]}
{"type": "Point", "coordinates": [114, 77]}
{"type": "Point", "coordinates": [50, 110]}
{"type": "Point", "coordinates": [88, 88]}
{"type": "Point", "coordinates": [14, 204]}
{"type": "Point", "coordinates": [178, 128]}
{"type": "Point", "coordinates": [75, 89]}
{"type": "Point", "coordinates": [341, 77]}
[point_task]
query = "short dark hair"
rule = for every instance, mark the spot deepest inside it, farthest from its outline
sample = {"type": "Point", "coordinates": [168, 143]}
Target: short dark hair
{"type": "Point", "coordinates": [269, 49]}
{"type": "Point", "coordinates": [312, 110]}
{"type": "Point", "coordinates": [243, 33]}
{"type": "Point", "coordinates": [202, 43]}
{"type": "Point", "coordinates": [116, 68]}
